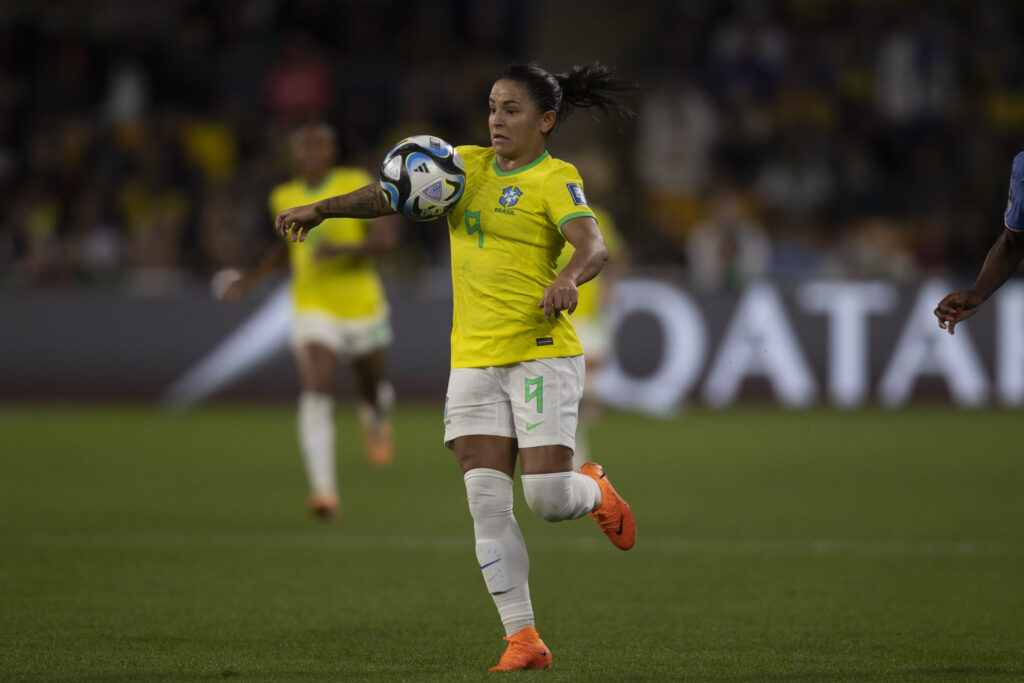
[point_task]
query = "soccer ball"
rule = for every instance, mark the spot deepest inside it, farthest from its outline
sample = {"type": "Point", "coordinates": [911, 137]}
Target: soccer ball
{"type": "Point", "coordinates": [423, 177]}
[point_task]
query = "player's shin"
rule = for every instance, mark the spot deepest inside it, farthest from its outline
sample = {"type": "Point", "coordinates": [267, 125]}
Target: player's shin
{"type": "Point", "coordinates": [500, 549]}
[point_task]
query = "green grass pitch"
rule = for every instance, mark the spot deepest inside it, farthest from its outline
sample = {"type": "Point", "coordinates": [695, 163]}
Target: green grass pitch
{"type": "Point", "coordinates": [810, 546]}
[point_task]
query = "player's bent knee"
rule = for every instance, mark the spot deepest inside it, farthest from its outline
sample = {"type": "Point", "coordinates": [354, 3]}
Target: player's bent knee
{"type": "Point", "coordinates": [549, 495]}
{"type": "Point", "coordinates": [489, 494]}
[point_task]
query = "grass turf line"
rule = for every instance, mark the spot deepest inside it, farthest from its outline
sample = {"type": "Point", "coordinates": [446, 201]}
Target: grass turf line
{"type": "Point", "coordinates": [869, 545]}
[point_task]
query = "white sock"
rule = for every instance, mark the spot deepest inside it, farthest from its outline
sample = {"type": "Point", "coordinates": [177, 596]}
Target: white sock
{"type": "Point", "coordinates": [561, 495]}
{"type": "Point", "coordinates": [385, 398]}
{"type": "Point", "coordinates": [367, 415]}
{"type": "Point", "coordinates": [500, 549]}
{"type": "Point", "coordinates": [316, 437]}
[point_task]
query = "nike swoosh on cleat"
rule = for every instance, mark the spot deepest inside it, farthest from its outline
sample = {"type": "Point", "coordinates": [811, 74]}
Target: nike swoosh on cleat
{"type": "Point", "coordinates": [530, 428]}
{"type": "Point", "coordinates": [542, 653]}
{"type": "Point", "coordinates": [619, 532]}
{"type": "Point", "coordinates": [485, 566]}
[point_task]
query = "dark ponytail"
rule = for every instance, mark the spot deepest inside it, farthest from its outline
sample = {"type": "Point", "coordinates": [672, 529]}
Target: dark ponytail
{"type": "Point", "coordinates": [589, 86]}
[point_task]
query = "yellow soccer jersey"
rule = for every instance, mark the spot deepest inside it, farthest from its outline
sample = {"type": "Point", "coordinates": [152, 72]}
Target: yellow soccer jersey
{"type": "Point", "coordinates": [346, 286]}
{"type": "Point", "coordinates": [505, 238]}
{"type": "Point", "coordinates": [592, 291]}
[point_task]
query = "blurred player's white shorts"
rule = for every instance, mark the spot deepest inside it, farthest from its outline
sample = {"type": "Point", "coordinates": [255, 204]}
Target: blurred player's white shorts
{"type": "Point", "coordinates": [536, 401]}
{"type": "Point", "coordinates": [345, 336]}
{"type": "Point", "coordinates": [594, 337]}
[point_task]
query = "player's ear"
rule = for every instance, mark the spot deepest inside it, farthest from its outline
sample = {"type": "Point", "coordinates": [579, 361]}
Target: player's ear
{"type": "Point", "coordinates": [547, 121]}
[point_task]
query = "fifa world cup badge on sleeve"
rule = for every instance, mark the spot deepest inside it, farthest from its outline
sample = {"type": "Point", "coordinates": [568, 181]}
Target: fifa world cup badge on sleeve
{"type": "Point", "coordinates": [576, 192]}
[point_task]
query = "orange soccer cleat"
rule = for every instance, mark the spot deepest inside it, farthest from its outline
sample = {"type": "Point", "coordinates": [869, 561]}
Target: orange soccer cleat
{"type": "Point", "coordinates": [379, 442]}
{"type": "Point", "coordinates": [324, 505]}
{"type": "Point", "coordinates": [613, 514]}
{"type": "Point", "coordinates": [525, 651]}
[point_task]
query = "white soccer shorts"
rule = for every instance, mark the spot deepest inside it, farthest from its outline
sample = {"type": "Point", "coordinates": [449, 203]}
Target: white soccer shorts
{"type": "Point", "coordinates": [536, 401]}
{"type": "Point", "coordinates": [352, 337]}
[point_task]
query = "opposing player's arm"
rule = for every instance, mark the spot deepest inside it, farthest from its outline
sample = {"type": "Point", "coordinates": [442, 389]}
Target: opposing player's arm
{"type": "Point", "coordinates": [1002, 259]}
{"type": "Point", "coordinates": [366, 202]}
{"type": "Point", "coordinates": [589, 256]}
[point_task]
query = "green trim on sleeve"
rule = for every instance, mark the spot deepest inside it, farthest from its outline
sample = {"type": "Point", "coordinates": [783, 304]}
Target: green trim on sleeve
{"type": "Point", "coordinates": [578, 214]}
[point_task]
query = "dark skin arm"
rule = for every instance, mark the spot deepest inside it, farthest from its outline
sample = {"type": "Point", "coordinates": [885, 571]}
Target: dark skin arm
{"type": "Point", "coordinates": [1003, 258]}
{"type": "Point", "coordinates": [366, 202]}
{"type": "Point", "coordinates": [587, 261]}
{"type": "Point", "coordinates": [275, 258]}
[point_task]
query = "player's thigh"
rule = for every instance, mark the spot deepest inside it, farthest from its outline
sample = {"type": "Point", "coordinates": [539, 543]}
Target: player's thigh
{"type": "Point", "coordinates": [316, 345]}
{"type": "Point", "coordinates": [318, 366]}
{"type": "Point", "coordinates": [311, 328]}
{"type": "Point", "coordinates": [545, 459]}
{"type": "Point", "coordinates": [545, 396]}
{"type": "Point", "coordinates": [493, 452]}
{"type": "Point", "coordinates": [476, 405]}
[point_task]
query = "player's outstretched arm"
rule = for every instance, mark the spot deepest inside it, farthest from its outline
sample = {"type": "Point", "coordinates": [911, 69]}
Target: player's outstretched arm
{"type": "Point", "coordinates": [366, 202]}
{"type": "Point", "coordinates": [1003, 258]}
{"type": "Point", "coordinates": [589, 257]}
{"type": "Point", "coordinates": [232, 291]}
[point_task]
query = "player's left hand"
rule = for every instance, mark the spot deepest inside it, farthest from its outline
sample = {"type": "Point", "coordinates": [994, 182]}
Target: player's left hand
{"type": "Point", "coordinates": [560, 295]}
{"type": "Point", "coordinates": [957, 307]}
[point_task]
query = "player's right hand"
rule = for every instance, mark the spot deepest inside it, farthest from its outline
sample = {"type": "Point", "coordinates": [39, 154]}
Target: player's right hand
{"type": "Point", "coordinates": [957, 307]}
{"type": "Point", "coordinates": [228, 284]}
{"type": "Point", "coordinates": [234, 292]}
{"type": "Point", "coordinates": [296, 222]}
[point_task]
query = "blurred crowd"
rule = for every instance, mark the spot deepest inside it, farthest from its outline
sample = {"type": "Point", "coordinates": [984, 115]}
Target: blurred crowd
{"type": "Point", "coordinates": [788, 139]}
{"type": "Point", "coordinates": [845, 139]}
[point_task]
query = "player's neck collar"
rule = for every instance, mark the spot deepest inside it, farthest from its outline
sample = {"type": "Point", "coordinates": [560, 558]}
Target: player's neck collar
{"type": "Point", "coordinates": [494, 164]}
{"type": "Point", "coordinates": [314, 188]}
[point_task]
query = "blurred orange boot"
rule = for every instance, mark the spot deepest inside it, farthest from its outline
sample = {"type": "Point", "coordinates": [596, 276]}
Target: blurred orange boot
{"type": "Point", "coordinates": [379, 442]}
{"type": "Point", "coordinates": [324, 505]}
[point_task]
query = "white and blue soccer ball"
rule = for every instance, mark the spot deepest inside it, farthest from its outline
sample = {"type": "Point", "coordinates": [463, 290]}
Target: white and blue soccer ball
{"type": "Point", "coordinates": [423, 177]}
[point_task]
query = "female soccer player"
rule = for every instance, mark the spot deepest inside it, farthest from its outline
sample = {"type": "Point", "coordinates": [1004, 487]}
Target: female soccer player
{"type": "Point", "coordinates": [1003, 258]}
{"type": "Point", "coordinates": [340, 311]}
{"type": "Point", "coordinates": [517, 366]}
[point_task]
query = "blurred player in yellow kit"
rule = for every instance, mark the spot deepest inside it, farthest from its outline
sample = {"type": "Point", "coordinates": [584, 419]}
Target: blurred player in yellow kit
{"type": "Point", "coordinates": [340, 311]}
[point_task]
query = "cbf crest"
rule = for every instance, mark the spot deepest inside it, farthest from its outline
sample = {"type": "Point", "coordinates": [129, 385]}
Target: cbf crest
{"type": "Point", "coordinates": [510, 196]}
